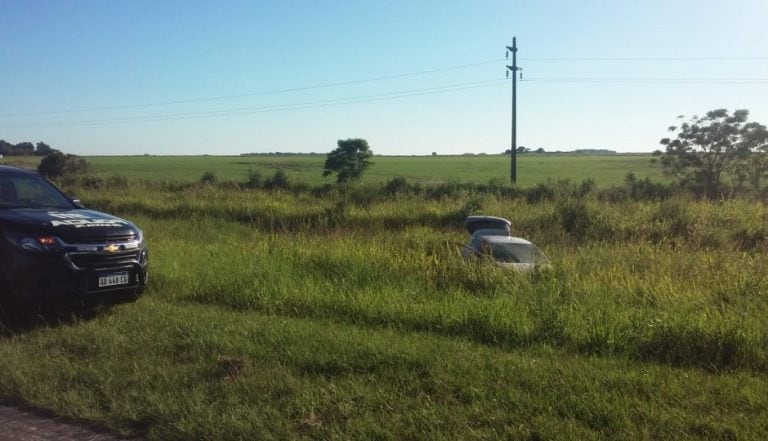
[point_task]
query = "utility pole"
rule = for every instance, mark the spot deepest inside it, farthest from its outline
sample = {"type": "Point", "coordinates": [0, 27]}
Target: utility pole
{"type": "Point", "coordinates": [513, 68]}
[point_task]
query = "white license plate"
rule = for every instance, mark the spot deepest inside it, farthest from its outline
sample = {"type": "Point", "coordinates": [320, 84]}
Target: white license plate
{"type": "Point", "coordinates": [113, 279]}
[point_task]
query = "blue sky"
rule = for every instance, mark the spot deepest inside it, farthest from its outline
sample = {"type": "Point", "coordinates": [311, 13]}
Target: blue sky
{"type": "Point", "coordinates": [96, 77]}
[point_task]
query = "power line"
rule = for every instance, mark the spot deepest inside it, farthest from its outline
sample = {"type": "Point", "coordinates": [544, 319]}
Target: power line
{"type": "Point", "coordinates": [377, 97]}
{"type": "Point", "coordinates": [648, 80]}
{"type": "Point", "coordinates": [651, 59]}
{"type": "Point", "coordinates": [368, 80]}
{"type": "Point", "coordinates": [267, 109]}
{"type": "Point", "coordinates": [260, 93]}
{"type": "Point", "coordinates": [382, 78]}
{"type": "Point", "coordinates": [369, 98]}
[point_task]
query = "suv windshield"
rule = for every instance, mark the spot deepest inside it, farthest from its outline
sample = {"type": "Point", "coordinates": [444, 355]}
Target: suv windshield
{"type": "Point", "coordinates": [30, 191]}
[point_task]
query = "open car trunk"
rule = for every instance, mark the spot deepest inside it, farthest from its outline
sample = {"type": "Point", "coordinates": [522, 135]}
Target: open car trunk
{"type": "Point", "coordinates": [494, 225]}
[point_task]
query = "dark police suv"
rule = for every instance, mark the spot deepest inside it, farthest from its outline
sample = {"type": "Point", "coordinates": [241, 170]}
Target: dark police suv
{"type": "Point", "coordinates": [55, 252]}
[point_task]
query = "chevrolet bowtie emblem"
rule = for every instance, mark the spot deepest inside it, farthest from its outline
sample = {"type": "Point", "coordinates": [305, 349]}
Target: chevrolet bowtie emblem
{"type": "Point", "coordinates": [111, 248]}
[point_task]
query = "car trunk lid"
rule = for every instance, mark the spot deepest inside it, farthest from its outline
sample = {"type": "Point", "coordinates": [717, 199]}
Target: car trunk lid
{"type": "Point", "coordinates": [495, 225]}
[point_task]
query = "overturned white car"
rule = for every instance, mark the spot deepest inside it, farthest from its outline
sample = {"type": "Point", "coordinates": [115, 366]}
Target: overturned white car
{"type": "Point", "coordinates": [491, 239]}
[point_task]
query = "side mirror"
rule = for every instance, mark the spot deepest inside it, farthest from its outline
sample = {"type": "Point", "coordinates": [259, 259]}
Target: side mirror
{"type": "Point", "coordinates": [77, 203]}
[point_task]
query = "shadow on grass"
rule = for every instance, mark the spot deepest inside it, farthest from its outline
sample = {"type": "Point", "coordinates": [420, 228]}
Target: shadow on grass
{"type": "Point", "coordinates": [683, 346]}
{"type": "Point", "coordinates": [19, 319]}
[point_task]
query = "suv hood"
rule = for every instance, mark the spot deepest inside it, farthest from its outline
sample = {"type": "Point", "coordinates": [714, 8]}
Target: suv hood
{"type": "Point", "coordinates": [70, 225]}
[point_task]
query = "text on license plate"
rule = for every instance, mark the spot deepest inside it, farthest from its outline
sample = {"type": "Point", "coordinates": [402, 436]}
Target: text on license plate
{"type": "Point", "coordinates": [113, 279]}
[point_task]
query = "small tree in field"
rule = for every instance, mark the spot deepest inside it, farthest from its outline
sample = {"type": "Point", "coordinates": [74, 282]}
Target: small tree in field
{"type": "Point", "coordinates": [349, 160]}
{"type": "Point", "coordinates": [57, 164]}
{"type": "Point", "coordinates": [717, 144]}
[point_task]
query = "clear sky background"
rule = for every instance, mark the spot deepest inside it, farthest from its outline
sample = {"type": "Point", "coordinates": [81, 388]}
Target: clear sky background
{"type": "Point", "coordinates": [412, 77]}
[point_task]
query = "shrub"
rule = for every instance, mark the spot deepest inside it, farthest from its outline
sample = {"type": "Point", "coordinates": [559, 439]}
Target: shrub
{"type": "Point", "coordinates": [578, 220]}
{"type": "Point", "coordinates": [336, 215]}
{"type": "Point", "coordinates": [646, 190]}
{"type": "Point", "coordinates": [322, 190]}
{"type": "Point", "coordinates": [573, 215]}
{"type": "Point", "coordinates": [208, 178]}
{"type": "Point", "coordinates": [675, 215]}
{"type": "Point", "coordinates": [57, 164]}
{"type": "Point", "coordinates": [749, 240]}
{"type": "Point", "coordinates": [362, 195]}
{"type": "Point", "coordinates": [253, 179]}
{"type": "Point", "coordinates": [93, 182]}
{"type": "Point", "coordinates": [396, 185]}
{"type": "Point", "coordinates": [52, 165]}
{"type": "Point", "coordinates": [279, 180]}
{"type": "Point", "coordinates": [539, 193]}
{"type": "Point", "coordinates": [613, 195]}
{"type": "Point", "coordinates": [585, 187]}
{"type": "Point", "coordinates": [441, 191]}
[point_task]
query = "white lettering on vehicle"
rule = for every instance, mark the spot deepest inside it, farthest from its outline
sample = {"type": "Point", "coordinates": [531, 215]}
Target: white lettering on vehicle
{"type": "Point", "coordinates": [67, 215]}
{"type": "Point", "coordinates": [81, 221]}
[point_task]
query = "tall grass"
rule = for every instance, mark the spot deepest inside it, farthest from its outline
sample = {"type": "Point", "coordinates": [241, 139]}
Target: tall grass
{"type": "Point", "coordinates": [644, 280]}
{"type": "Point", "coordinates": [349, 313]}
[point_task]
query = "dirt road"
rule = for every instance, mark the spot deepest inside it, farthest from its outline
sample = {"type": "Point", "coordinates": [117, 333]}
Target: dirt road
{"type": "Point", "coordinates": [18, 424]}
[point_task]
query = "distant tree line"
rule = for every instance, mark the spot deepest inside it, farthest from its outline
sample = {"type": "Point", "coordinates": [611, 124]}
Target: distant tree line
{"type": "Point", "coordinates": [281, 154]}
{"type": "Point", "coordinates": [522, 149]}
{"type": "Point", "coordinates": [25, 148]}
{"type": "Point", "coordinates": [54, 163]}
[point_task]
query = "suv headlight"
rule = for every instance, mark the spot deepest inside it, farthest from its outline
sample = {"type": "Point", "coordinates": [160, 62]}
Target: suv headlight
{"type": "Point", "coordinates": [33, 242]}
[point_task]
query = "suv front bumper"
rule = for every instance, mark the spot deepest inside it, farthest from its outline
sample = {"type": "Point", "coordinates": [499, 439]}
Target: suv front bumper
{"type": "Point", "coordinates": [71, 278]}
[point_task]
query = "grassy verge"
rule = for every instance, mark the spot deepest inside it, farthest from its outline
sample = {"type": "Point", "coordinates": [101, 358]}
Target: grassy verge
{"type": "Point", "coordinates": [193, 372]}
{"type": "Point", "coordinates": [274, 315]}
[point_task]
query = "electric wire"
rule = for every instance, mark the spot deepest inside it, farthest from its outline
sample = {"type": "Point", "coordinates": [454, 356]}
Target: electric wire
{"type": "Point", "coordinates": [373, 79]}
{"type": "Point", "coordinates": [647, 80]}
{"type": "Point", "coordinates": [649, 59]}
{"type": "Point", "coordinates": [375, 97]}
{"type": "Point", "coordinates": [258, 93]}
{"type": "Point", "coordinates": [267, 109]}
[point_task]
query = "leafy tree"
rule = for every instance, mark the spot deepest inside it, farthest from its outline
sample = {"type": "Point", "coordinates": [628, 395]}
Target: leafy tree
{"type": "Point", "coordinates": [349, 161]}
{"type": "Point", "coordinates": [24, 148]}
{"type": "Point", "coordinates": [42, 149]}
{"type": "Point", "coordinates": [52, 165]}
{"type": "Point", "coordinates": [709, 147]}
{"type": "Point", "coordinates": [6, 148]}
{"type": "Point", "coordinates": [57, 164]}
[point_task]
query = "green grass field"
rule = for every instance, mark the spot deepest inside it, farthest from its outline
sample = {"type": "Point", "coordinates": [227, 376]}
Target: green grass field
{"type": "Point", "coordinates": [532, 168]}
{"type": "Point", "coordinates": [288, 315]}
